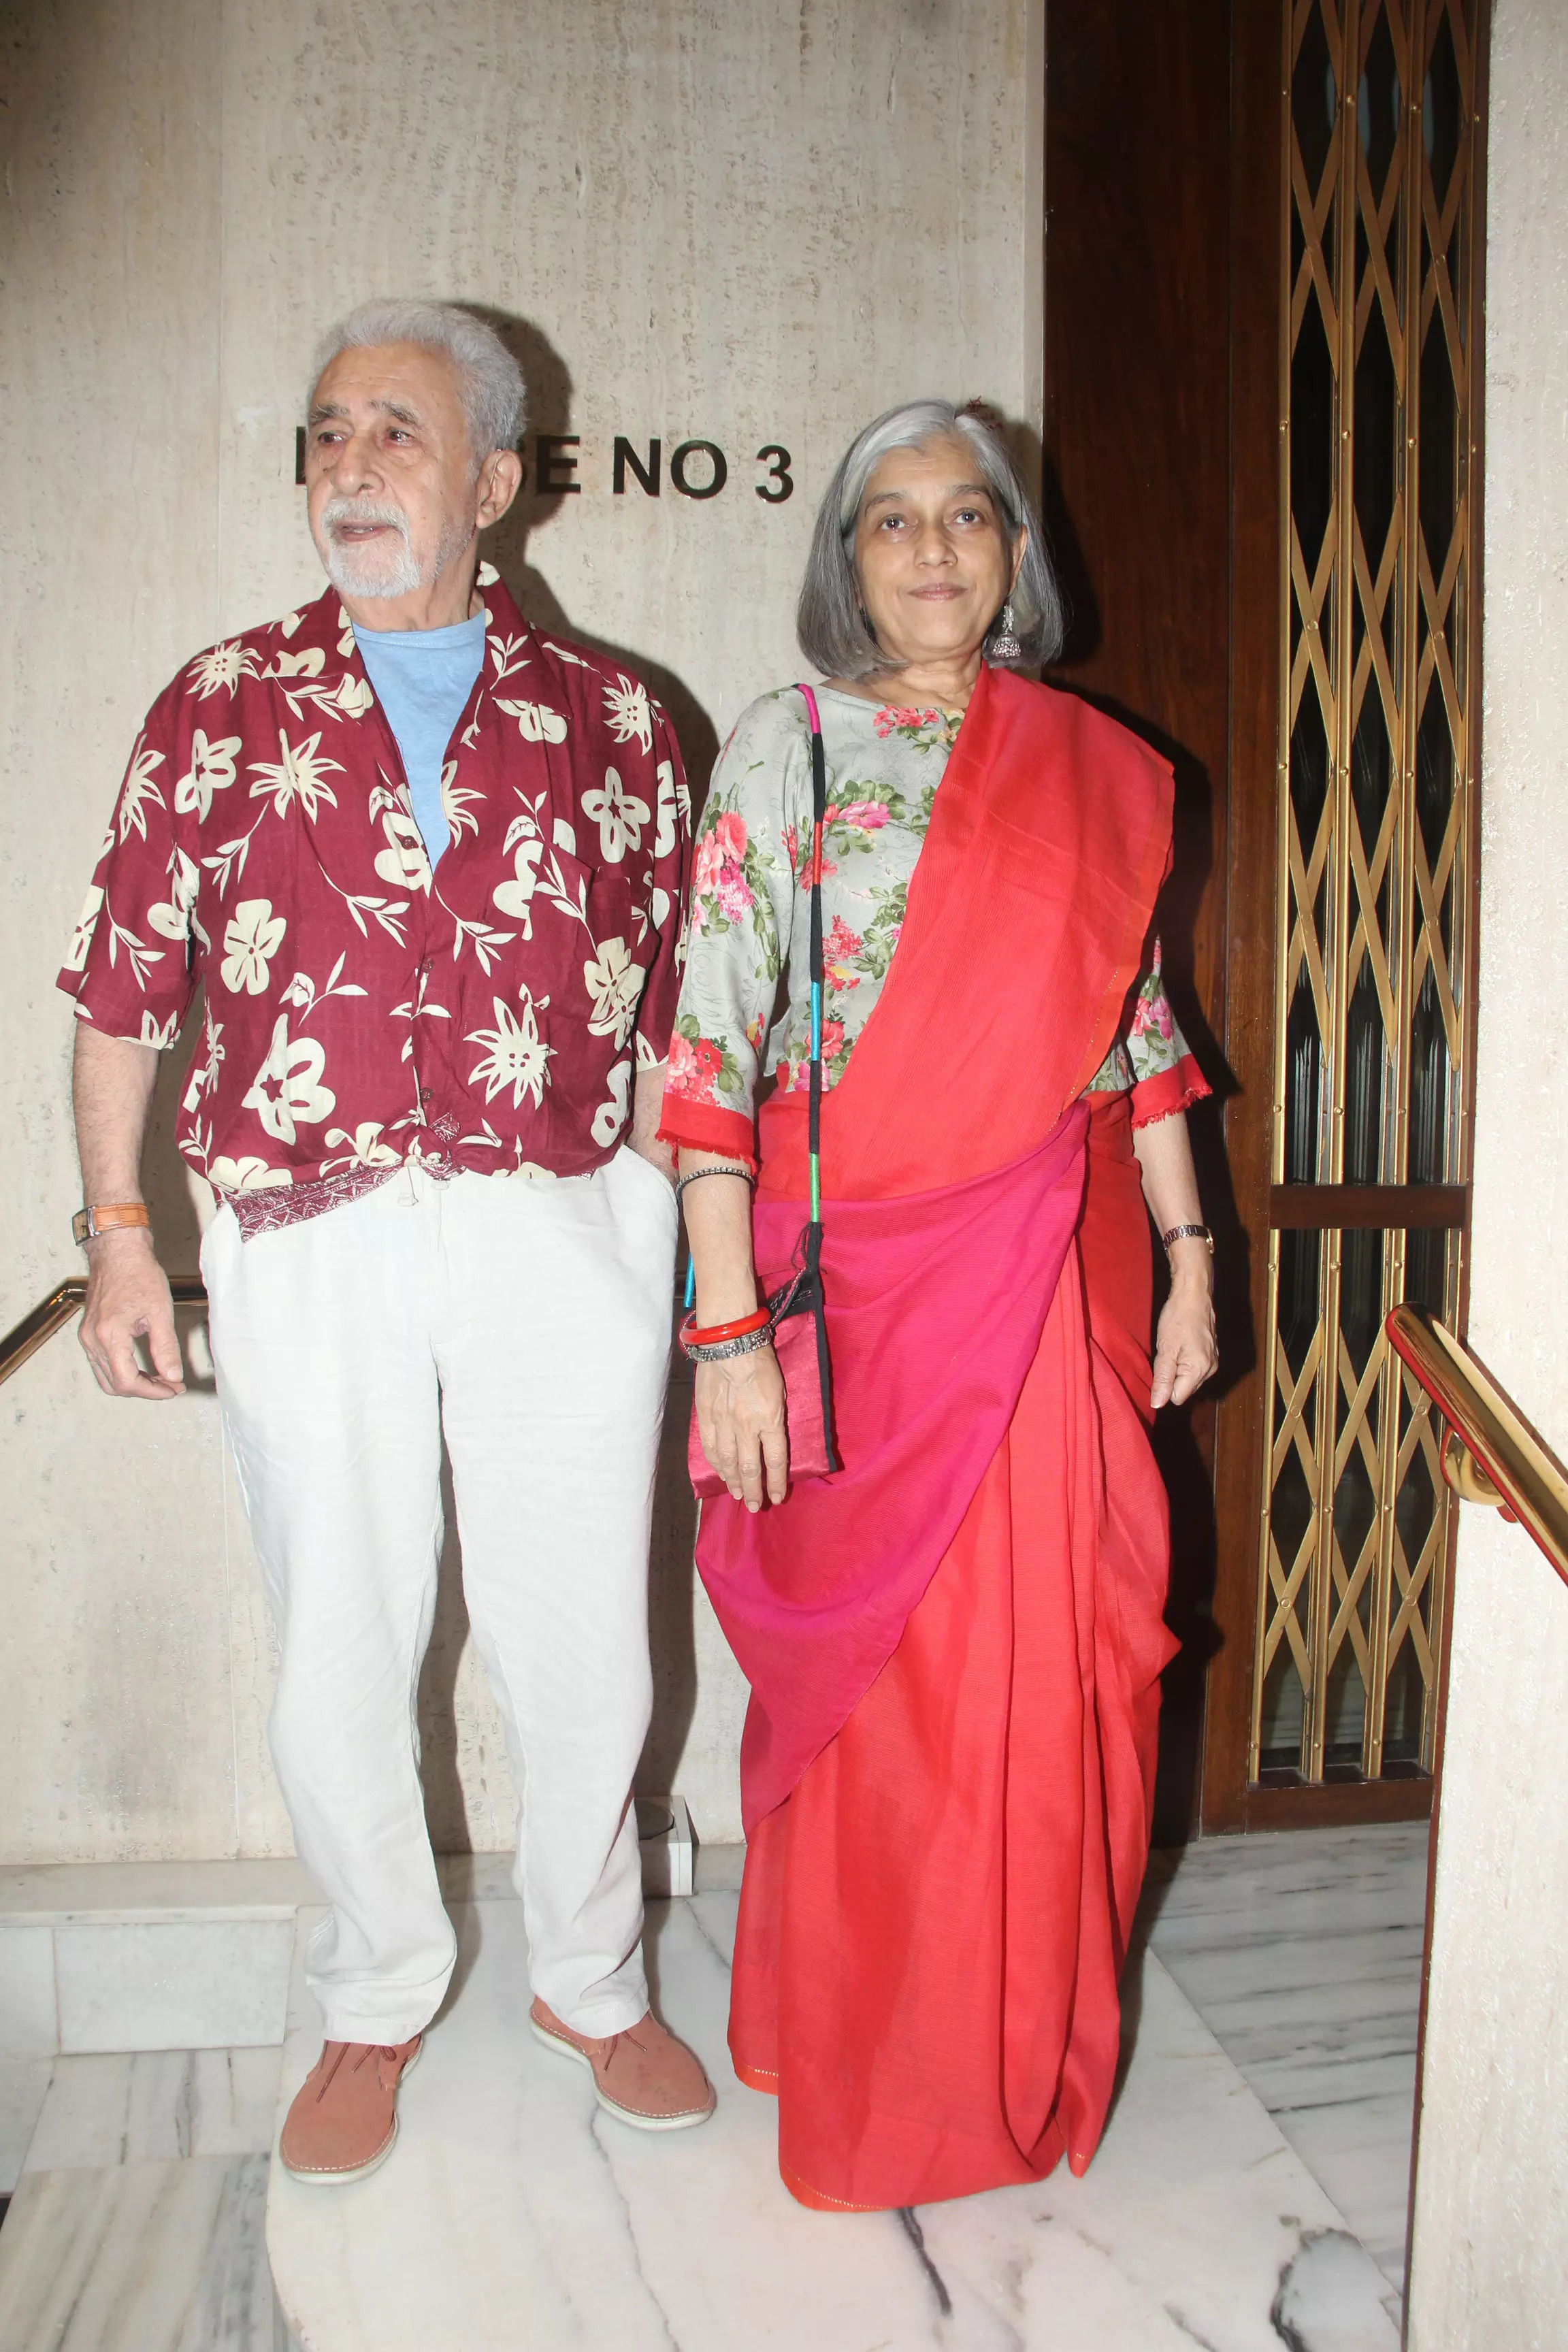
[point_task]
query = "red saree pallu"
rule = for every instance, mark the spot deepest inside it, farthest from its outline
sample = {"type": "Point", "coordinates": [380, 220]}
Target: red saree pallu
{"type": "Point", "coordinates": [955, 1643]}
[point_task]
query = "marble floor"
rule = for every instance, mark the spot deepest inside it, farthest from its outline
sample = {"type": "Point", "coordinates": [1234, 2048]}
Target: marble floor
{"type": "Point", "coordinates": [139, 2221]}
{"type": "Point", "coordinates": [24, 2083]}
{"type": "Point", "coordinates": [517, 2216]}
{"type": "Point", "coordinates": [1259, 2143]}
{"type": "Point", "coordinates": [1301, 1952]}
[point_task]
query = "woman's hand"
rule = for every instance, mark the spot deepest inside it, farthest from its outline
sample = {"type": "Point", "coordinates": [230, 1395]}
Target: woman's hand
{"type": "Point", "coordinates": [739, 1399]}
{"type": "Point", "coordinates": [1186, 1349]}
{"type": "Point", "coordinates": [741, 1420]}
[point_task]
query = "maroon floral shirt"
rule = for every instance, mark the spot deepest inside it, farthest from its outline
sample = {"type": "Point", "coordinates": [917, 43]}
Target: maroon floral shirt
{"type": "Point", "coordinates": [360, 1009]}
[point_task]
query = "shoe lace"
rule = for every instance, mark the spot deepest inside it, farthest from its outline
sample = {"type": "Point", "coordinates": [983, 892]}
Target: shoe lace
{"type": "Point", "coordinates": [628, 2033]}
{"type": "Point", "coordinates": [333, 2055]}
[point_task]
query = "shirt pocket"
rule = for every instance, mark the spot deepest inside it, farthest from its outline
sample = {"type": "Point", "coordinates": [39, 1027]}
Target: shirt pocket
{"type": "Point", "coordinates": [596, 899]}
{"type": "Point", "coordinates": [607, 951]}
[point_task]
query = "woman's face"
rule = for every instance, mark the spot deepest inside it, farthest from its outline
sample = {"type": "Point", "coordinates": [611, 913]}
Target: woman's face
{"type": "Point", "coordinates": [930, 553]}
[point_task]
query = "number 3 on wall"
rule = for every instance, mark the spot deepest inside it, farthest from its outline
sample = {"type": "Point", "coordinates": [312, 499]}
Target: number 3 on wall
{"type": "Point", "coordinates": [778, 475]}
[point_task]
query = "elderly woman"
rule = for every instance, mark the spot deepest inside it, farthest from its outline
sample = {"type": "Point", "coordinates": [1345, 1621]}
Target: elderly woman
{"type": "Point", "coordinates": [954, 1642]}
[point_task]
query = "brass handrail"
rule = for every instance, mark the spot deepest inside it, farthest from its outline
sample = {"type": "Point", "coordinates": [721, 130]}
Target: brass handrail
{"type": "Point", "coordinates": [1491, 1454]}
{"type": "Point", "coordinates": [53, 1313]}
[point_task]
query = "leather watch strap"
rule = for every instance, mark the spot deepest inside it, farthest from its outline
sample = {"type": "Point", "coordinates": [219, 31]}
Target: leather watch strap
{"type": "Point", "coordinates": [103, 1218]}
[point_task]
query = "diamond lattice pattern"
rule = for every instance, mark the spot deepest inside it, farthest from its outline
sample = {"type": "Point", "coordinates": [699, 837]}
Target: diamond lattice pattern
{"type": "Point", "coordinates": [1372, 1035]}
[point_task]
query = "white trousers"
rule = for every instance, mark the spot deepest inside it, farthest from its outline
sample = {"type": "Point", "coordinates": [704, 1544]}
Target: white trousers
{"type": "Point", "coordinates": [530, 1320]}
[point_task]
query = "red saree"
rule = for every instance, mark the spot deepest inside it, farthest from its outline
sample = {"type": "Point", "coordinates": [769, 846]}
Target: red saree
{"type": "Point", "coordinates": [955, 1646]}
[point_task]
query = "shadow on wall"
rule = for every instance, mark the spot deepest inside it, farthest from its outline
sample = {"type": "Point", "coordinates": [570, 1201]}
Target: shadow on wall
{"type": "Point", "coordinates": [550, 388]}
{"type": "Point", "coordinates": [165, 1175]}
{"type": "Point", "coordinates": [672, 1632]}
{"type": "Point", "coordinates": [1178, 1444]}
{"type": "Point", "coordinates": [174, 1220]}
{"type": "Point", "coordinates": [671, 1645]}
{"type": "Point", "coordinates": [1182, 1438]}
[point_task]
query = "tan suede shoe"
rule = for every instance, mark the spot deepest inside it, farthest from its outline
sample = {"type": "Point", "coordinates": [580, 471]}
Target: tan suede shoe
{"type": "Point", "coordinates": [644, 2076]}
{"type": "Point", "coordinates": [343, 2121]}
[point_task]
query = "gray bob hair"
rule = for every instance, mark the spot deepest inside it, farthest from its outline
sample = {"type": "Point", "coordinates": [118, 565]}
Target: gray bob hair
{"type": "Point", "coordinates": [490, 384]}
{"type": "Point", "coordinates": [831, 622]}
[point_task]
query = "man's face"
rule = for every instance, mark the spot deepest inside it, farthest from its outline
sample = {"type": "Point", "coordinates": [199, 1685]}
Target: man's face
{"type": "Point", "coordinates": [395, 494]}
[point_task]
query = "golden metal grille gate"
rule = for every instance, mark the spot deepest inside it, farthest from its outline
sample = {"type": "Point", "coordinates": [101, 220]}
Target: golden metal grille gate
{"type": "Point", "coordinates": [1374, 951]}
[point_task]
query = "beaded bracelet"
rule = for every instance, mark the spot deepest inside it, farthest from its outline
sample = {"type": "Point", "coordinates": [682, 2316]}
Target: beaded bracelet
{"type": "Point", "coordinates": [756, 1333]}
{"type": "Point", "coordinates": [698, 1175]}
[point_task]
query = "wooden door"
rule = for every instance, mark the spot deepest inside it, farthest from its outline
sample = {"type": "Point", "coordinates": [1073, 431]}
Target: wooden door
{"type": "Point", "coordinates": [1262, 296]}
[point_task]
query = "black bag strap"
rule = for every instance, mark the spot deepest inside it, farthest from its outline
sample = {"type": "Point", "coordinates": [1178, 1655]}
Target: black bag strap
{"type": "Point", "coordinates": [811, 1286]}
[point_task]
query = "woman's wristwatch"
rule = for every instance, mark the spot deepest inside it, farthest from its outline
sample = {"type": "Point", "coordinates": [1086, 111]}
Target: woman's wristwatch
{"type": "Point", "coordinates": [1186, 1233]}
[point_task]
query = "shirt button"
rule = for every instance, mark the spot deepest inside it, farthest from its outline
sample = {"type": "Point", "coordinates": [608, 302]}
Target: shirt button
{"type": "Point", "coordinates": [424, 1094]}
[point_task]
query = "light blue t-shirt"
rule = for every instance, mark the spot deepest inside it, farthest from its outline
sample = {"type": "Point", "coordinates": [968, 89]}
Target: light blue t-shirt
{"type": "Point", "coordinates": [422, 679]}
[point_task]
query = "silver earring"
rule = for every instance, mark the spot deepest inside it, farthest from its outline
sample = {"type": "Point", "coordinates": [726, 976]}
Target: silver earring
{"type": "Point", "coordinates": [1004, 645]}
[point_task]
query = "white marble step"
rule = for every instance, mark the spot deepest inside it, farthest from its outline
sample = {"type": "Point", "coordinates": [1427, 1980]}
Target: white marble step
{"type": "Point", "coordinates": [516, 2217]}
{"type": "Point", "coordinates": [151, 1956]}
{"type": "Point", "coordinates": [145, 1955]}
{"type": "Point", "coordinates": [137, 2222]}
{"type": "Point", "coordinates": [147, 2258]}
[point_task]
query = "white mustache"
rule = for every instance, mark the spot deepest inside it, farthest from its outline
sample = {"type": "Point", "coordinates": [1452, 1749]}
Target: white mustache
{"type": "Point", "coordinates": [362, 511]}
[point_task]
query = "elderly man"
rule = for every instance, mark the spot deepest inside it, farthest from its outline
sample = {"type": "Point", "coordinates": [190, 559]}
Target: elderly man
{"type": "Point", "coordinates": [428, 866]}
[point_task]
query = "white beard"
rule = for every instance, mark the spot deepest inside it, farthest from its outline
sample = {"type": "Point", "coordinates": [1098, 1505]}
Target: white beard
{"type": "Point", "coordinates": [373, 570]}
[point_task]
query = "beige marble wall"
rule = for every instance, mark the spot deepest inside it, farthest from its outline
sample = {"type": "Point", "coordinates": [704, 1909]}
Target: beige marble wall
{"type": "Point", "coordinates": [1490, 2247]}
{"type": "Point", "coordinates": [711, 219]}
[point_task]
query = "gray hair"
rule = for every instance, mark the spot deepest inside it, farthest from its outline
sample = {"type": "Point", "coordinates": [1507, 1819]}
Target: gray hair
{"type": "Point", "coordinates": [831, 622]}
{"type": "Point", "coordinates": [489, 381]}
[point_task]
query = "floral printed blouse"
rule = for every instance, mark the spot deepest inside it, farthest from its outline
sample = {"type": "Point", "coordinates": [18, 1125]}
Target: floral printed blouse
{"type": "Point", "coordinates": [751, 913]}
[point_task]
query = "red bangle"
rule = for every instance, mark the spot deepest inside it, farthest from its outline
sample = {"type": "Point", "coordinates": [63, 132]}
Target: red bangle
{"type": "Point", "coordinates": [715, 1332]}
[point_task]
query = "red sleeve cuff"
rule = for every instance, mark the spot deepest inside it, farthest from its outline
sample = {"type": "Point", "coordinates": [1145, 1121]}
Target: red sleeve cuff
{"type": "Point", "coordinates": [1174, 1089]}
{"type": "Point", "coordinates": [704, 1127]}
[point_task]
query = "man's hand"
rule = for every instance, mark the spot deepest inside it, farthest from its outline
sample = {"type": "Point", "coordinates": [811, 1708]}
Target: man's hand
{"type": "Point", "coordinates": [741, 1420]}
{"type": "Point", "coordinates": [648, 1110]}
{"type": "Point", "coordinates": [128, 1299]}
{"type": "Point", "coordinates": [127, 1289]}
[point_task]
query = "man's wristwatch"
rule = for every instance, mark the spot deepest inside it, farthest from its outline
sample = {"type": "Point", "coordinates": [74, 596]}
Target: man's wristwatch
{"type": "Point", "coordinates": [88, 1223]}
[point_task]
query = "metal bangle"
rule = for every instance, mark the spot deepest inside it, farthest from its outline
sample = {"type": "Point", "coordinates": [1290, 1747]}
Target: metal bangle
{"type": "Point", "coordinates": [698, 1175]}
{"type": "Point", "coordinates": [1187, 1233]}
{"type": "Point", "coordinates": [716, 1352]}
